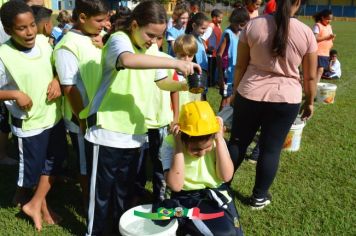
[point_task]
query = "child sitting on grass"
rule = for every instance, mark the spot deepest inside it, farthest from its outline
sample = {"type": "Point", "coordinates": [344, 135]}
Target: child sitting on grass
{"type": "Point", "coordinates": [197, 165]}
{"type": "Point", "coordinates": [334, 69]}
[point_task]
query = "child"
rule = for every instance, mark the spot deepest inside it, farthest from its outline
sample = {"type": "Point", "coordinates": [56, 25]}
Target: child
{"type": "Point", "coordinates": [197, 26]}
{"type": "Point", "coordinates": [185, 48]}
{"type": "Point", "coordinates": [30, 94]}
{"type": "Point", "coordinates": [116, 116]}
{"type": "Point", "coordinates": [64, 19]}
{"type": "Point", "coordinates": [78, 64]}
{"type": "Point", "coordinates": [197, 165]}
{"type": "Point", "coordinates": [212, 38]}
{"type": "Point", "coordinates": [334, 69]}
{"type": "Point", "coordinates": [325, 37]}
{"type": "Point", "coordinates": [227, 53]}
{"type": "Point", "coordinates": [252, 7]}
{"type": "Point", "coordinates": [44, 23]}
{"type": "Point", "coordinates": [180, 20]}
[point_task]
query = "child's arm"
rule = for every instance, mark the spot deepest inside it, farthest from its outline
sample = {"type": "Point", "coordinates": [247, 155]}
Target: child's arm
{"type": "Point", "coordinates": [142, 61]}
{"type": "Point", "coordinates": [224, 165]}
{"type": "Point", "coordinates": [175, 175]}
{"type": "Point", "coordinates": [172, 85]}
{"type": "Point", "coordinates": [22, 99]}
{"type": "Point", "coordinates": [175, 106]}
{"type": "Point", "coordinates": [320, 38]}
{"type": "Point", "coordinates": [54, 90]}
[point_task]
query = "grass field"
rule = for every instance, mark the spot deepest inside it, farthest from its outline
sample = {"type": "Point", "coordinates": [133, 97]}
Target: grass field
{"type": "Point", "coordinates": [313, 194]}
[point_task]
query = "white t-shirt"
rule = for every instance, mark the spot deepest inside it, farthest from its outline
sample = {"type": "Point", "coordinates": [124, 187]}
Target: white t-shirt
{"type": "Point", "coordinates": [67, 67]}
{"type": "Point", "coordinates": [335, 69]}
{"type": "Point", "coordinates": [7, 82]}
{"type": "Point", "coordinates": [117, 46]}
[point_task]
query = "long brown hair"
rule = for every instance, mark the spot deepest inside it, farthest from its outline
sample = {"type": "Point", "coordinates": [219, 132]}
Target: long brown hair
{"type": "Point", "coordinates": [282, 18]}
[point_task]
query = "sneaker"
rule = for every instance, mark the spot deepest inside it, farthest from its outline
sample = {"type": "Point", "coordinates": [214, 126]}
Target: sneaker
{"type": "Point", "coordinates": [252, 159]}
{"type": "Point", "coordinates": [260, 203]}
{"type": "Point", "coordinates": [8, 161]}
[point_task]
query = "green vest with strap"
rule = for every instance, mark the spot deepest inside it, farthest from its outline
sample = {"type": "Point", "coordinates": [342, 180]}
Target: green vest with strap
{"type": "Point", "coordinates": [32, 76]}
{"type": "Point", "coordinates": [125, 100]}
{"type": "Point", "coordinates": [89, 62]}
{"type": "Point", "coordinates": [200, 172]}
{"type": "Point", "coordinates": [160, 113]}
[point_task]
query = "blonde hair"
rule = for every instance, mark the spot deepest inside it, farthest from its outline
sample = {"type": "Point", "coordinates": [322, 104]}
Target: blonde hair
{"type": "Point", "coordinates": [185, 45]}
{"type": "Point", "coordinates": [179, 10]}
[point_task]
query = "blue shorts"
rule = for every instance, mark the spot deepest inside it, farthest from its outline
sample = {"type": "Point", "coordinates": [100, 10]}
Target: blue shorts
{"type": "Point", "coordinates": [323, 62]}
{"type": "Point", "coordinates": [42, 154]}
{"type": "Point", "coordinates": [228, 91]}
{"type": "Point", "coordinates": [4, 119]}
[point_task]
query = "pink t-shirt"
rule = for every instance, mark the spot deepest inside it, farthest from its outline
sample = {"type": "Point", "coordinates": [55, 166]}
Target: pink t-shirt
{"type": "Point", "coordinates": [274, 79]}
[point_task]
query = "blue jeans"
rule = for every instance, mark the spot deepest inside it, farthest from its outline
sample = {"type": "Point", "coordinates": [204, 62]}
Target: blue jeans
{"type": "Point", "coordinates": [275, 121]}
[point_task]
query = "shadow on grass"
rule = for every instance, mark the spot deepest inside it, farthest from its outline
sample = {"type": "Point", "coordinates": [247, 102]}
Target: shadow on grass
{"type": "Point", "coordinates": [244, 199]}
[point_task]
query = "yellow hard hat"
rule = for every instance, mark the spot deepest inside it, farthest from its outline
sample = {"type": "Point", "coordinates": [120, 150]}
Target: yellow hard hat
{"type": "Point", "coordinates": [197, 119]}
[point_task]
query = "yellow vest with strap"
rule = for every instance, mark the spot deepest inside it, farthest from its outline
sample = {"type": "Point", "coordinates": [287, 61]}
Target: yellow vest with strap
{"type": "Point", "coordinates": [200, 172]}
{"type": "Point", "coordinates": [124, 102]}
{"type": "Point", "coordinates": [89, 63]}
{"type": "Point", "coordinates": [160, 113]}
{"type": "Point", "coordinates": [32, 76]}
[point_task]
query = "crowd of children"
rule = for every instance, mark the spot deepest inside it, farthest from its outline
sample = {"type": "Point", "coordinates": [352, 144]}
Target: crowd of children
{"type": "Point", "coordinates": [103, 79]}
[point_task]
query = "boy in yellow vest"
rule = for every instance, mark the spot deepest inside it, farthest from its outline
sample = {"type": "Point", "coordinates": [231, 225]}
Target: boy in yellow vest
{"type": "Point", "coordinates": [44, 23]}
{"type": "Point", "coordinates": [78, 65]}
{"type": "Point", "coordinates": [31, 96]}
{"type": "Point", "coordinates": [197, 165]}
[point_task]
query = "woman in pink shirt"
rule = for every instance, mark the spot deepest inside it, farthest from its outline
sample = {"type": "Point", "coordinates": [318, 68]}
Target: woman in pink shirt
{"type": "Point", "coordinates": [268, 89]}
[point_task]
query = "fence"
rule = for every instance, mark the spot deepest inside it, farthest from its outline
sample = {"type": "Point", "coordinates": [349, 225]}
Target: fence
{"type": "Point", "coordinates": [338, 11]}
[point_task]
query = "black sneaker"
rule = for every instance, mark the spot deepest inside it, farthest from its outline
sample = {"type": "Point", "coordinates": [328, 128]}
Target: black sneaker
{"type": "Point", "coordinates": [252, 159]}
{"type": "Point", "coordinates": [260, 203]}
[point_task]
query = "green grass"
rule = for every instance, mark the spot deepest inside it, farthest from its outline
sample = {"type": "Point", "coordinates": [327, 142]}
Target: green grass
{"type": "Point", "coordinates": [313, 194]}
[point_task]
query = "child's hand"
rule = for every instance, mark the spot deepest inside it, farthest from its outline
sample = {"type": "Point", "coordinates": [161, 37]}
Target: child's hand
{"type": "Point", "coordinates": [220, 133]}
{"type": "Point", "coordinates": [187, 68]}
{"type": "Point", "coordinates": [174, 128]}
{"type": "Point", "coordinates": [332, 36]}
{"type": "Point", "coordinates": [24, 101]}
{"type": "Point", "coordinates": [98, 41]}
{"type": "Point", "coordinates": [53, 90]}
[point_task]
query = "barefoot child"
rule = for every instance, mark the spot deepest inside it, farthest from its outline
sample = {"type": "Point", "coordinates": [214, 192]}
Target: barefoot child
{"type": "Point", "coordinates": [31, 96]}
{"type": "Point", "coordinates": [116, 118]}
{"type": "Point", "coordinates": [197, 165]}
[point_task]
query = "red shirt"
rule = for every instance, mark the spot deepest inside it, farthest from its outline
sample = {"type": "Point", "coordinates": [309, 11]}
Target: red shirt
{"type": "Point", "coordinates": [270, 7]}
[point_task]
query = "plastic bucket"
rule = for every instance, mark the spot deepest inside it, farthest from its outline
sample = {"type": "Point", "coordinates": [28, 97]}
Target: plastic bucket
{"type": "Point", "coordinates": [131, 225]}
{"type": "Point", "coordinates": [326, 93]}
{"type": "Point", "coordinates": [294, 137]}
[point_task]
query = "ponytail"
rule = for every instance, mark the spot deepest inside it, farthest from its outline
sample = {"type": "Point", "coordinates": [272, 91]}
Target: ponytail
{"type": "Point", "coordinates": [282, 18]}
{"type": "Point", "coordinates": [198, 19]}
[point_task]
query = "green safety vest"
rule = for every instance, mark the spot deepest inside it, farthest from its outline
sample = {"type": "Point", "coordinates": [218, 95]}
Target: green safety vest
{"type": "Point", "coordinates": [32, 76]}
{"type": "Point", "coordinates": [124, 103]}
{"type": "Point", "coordinates": [199, 172]}
{"type": "Point", "coordinates": [160, 113]}
{"type": "Point", "coordinates": [89, 59]}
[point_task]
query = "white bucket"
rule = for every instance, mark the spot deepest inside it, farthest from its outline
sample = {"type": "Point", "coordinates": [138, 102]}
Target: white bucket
{"type": "Point", "coordinates": [131, 225]}
{"type": "Point", "coordinates": [294, 137]}
{"type": "Point", "coordinates": [326, 93]}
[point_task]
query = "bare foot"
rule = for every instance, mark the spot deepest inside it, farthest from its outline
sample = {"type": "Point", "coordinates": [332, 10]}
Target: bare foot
{"type": "Point", "coordinates": [35, 215]}
{"type": "Point", "coordinates": [49, 216]}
